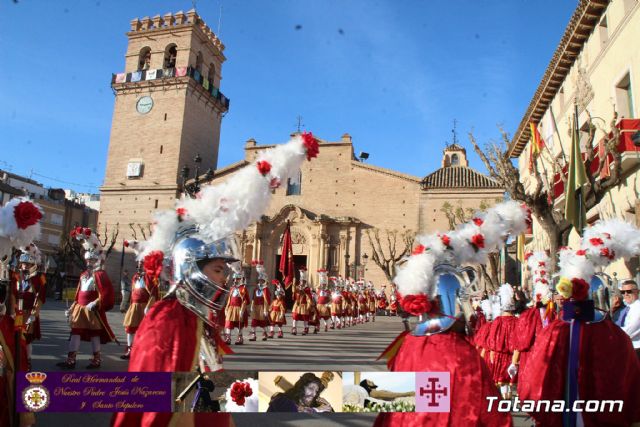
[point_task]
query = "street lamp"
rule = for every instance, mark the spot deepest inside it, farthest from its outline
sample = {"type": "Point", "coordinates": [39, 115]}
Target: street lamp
{"type": "Point", "coordinates": [346, 265]}
{"type": "Point", "coordinates": [193, 189]}
{"type": "Point", "coordinates": [365, 260]}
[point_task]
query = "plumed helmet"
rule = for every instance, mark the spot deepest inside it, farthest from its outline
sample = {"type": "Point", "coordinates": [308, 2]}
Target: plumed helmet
{"type": "Point", "coordinates": [193, 288]}
{"type": "Point", "coordinates": [30, 254]}
{"type": "Point", "coordinates": [260, 271]}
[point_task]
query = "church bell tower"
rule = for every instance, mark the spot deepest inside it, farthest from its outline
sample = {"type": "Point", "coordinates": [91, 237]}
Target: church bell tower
{"type": "Point", "coordinates": [168, 110]}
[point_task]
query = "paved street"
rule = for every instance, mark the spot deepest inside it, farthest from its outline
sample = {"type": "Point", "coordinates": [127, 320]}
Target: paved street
{"type": "Point", "coordinates": [351, 349]}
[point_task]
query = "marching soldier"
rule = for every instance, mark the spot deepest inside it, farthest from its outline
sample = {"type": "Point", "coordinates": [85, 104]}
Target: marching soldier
{"type": "Point", "coordinates": [94, 297]}
{"type": "Point", "coordinates": [260, 301]}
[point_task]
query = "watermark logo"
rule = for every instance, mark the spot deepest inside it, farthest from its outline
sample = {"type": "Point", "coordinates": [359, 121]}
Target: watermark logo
{"type": "Point", "coordinates": [36, 397]}
{"type": "Point", "coordinates": [433, 392]}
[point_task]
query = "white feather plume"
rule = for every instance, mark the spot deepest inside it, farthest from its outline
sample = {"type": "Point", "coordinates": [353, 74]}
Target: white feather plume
{"type": "Point", "coordinates": [498, 222]}
{"type": "Point", "coordinates": [539, 263]}
{"type": "Point", "coordinates": [416, 276]}
{"type": "Point", "coordinates": [574, 266]}
{"type": "Point", "coordinates": [621, 238]}
{"type": "Point", "coordinates": [487, 308]}
{"type": "Point", "coordinates": [496, 307]}
{"type": "Point", "coordinates": [506, 297]}
{"type": "Point", "coordinates": [9, 227]}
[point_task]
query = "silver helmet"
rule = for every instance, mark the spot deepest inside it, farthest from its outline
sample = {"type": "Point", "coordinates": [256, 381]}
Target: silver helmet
{"type": "Point", "coordinates": [192, 287]}
{"type": "Point", "coordinates": [453, 285]}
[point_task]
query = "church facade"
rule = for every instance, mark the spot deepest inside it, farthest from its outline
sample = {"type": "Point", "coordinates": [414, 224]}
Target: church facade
{"type": "Point", "coordinates": [345, 213]}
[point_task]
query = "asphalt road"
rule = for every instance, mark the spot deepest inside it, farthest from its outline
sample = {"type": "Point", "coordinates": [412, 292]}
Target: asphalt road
{"type": "Point", "coordinates": [351, 349]}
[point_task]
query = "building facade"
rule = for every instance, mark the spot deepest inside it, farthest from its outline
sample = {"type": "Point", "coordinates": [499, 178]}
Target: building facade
{"type": "Point", "coordinates": [596, 69]}
{"type": "Point", "coordinates": [344, 212]}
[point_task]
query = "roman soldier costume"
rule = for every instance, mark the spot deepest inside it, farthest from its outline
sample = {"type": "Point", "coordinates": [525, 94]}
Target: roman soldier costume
{"type": "Point", "coordinates": [534, 319]}
{"type": "Point", "coordinates": [314, 319]}
{"type": "Point", "coordinates": [94, 297]}
{"type": "Point", "coordinates": [393, 301]}
{"type": "Point", "coordinates": [500, 341]}
{"type": "Point", "coordinates": [144, 293]}
{"type": "Point", "coordinates": [260, 301]}
{"type": "Point", "coordinates": [182, 330]}
{"type": "Point", "coordinates": [277, 311]}
{"type": "Point", "coordinates": [336, 304]}
{"type": "Point", "coordinates": [236, 311]}
{"type": "Point", "coordinates": [362, 303]}
{"type": "Point", "coordinates": [19, 227]}
{"type": "Point", "coordinates": [347, 311]}
{"type": "Point", "coordinates": [381, 298]}
{"type": "Point", "coordinates": [434, 290]}
{"type": "Point", "coordinates": [323, 304]}
{"type": "Point", "coordinates": [31, 289]}
{"type": "Point", "coordinates": [371, 300]}
{"type": "Point", "coordinates": [583, 355]}
{"type": "Point", "coordinates": [302, 304]}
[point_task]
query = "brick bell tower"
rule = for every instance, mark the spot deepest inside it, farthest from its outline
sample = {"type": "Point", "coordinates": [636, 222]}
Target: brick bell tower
{"type": "Point", "coordinates": [168, 109]}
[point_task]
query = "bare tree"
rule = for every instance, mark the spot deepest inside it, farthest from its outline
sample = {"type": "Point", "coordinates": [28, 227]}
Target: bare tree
{"type": "Point", "coordinates": [541, 200]}
{"type": "Point", "coordinates": [108, 238]}
{"type": "Point", "coordinates": [458, 215]}
{"type": "Point", "coordinates": [144, 230]}
{"type": "Point", "coordinates": [389, 247]}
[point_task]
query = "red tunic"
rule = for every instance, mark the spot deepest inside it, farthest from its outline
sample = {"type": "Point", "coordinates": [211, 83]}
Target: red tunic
{"type": "Point", "coordinates": [382, 302]}
{"type": "Point", "coordinates": [500, 341]}
{"type": "Point", "coordinates": [301, 307]}
{"type": "Point", "coordinates": [167, 341]}
{"type": "Point", "coordinates": [476, 321]}
{"type": "Point", "coordinates": [608, 370]}
{"type": "Point", "coordinates": [107, 299]}
{"type": "Point", "coordinates": [529, 326]}
{"type": "Point", "coordinates": [259, 302]}
{"type": "Point", "coordinates": [471, 382]}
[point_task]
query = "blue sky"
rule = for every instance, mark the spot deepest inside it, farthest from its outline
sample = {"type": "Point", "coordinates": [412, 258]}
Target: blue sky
{"type": "Point", "coordinates": [393, 74]}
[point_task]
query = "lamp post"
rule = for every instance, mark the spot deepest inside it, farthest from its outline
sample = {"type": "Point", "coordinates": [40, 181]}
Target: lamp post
{"type": "Point", "coordinates": [365, 260]}
{"type": "Point", "coordinates": [346, 266]}
{"type": "Point", "coordinates": [192, 189]}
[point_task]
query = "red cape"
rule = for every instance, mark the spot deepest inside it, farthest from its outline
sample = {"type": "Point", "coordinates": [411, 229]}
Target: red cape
{"type": "Point", "coordinates": [107, 300]}
{"type": "Point", "coordinates": [608, 370]}
{"type": "Point", "coordinates": [471, 382]}
{"type": "Point", "coordinates": [524, 336]}
{"type": "Point", "coordinates": [500, 341]}
{"type": "Point", "coordinates": [476, 322]}
{"type": "Point", "coordinates": [168, 340]}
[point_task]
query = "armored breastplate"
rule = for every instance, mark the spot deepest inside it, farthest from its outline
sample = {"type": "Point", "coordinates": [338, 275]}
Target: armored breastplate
{"type": "Point", "coordinates": [25, 286]}
{"type": "Point", "coordinates": [88, 283]}
{"type": "Point", "coordinates": [140, 283]}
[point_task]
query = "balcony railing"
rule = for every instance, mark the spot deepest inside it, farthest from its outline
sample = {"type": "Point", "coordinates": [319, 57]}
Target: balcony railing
{"type": "Point", "coordinates": [626, 146]}
{"type": "Point", "coordinates": [166, 73]}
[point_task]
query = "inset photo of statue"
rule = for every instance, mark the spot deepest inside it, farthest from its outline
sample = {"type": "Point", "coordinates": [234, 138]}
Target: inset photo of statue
{"type": "Point", "coordinates": [221, 391]}
{"type": "Point", "coordinates": [306, 392]}
{"type": "Point", "coordinates": [378, 392]}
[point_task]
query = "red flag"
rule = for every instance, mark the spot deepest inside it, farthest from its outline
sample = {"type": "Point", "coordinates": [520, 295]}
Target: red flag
{"type": "Point", "coordinates": [286, 259]}
{"type": "Point", "coordinates": [537, 144]}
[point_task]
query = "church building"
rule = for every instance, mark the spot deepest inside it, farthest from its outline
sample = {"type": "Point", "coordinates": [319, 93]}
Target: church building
{"type": "Point", "coordinates": [347, 216]}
